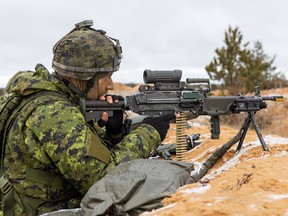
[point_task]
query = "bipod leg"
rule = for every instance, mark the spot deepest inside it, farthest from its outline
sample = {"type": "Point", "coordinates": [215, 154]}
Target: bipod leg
{"type": "Point", "coordinates": [244, 129]}
{"type": "Point", "coordinates": [257, 129]}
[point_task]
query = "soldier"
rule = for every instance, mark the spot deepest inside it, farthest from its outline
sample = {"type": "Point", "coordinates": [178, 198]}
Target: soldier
{"type": "Point", "coordinates": [52, 156]}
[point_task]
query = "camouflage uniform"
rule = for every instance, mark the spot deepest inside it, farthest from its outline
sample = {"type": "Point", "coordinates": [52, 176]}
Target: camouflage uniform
{"type": "Point", "coordinates": [50, 138]}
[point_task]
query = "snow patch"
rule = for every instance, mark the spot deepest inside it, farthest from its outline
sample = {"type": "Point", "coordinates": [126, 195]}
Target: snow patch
{"type": "Point", "coordinates": [273, 197]}
{"type": "Point", "coordinates": [269, 140]}
{"type": "Point", "coordinates": [197, 190]}
{"type": "Point", "coordinates": [157, 210]}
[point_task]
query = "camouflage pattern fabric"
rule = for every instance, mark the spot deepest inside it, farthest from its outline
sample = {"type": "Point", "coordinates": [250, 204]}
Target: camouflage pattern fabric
{"type": "Point", "coordinates": [50, 135]}
{"type": "Point", "coordinates": [82, 53]}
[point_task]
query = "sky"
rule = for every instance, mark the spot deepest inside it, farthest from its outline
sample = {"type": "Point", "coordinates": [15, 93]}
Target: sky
{"type": "Point", "coordinates": [154, 34]}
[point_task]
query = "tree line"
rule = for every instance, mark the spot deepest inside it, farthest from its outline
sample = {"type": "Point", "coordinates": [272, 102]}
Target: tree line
{"type": "Point", "coordinates": [239, 68]}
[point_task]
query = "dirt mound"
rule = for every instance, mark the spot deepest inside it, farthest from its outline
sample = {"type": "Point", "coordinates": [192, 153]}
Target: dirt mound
{"type": "Point", "coordinates": [251, 182]}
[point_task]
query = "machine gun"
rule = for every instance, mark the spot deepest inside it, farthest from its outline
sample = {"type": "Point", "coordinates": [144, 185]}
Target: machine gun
{"type": "Point", "coordinates": [163, 93]}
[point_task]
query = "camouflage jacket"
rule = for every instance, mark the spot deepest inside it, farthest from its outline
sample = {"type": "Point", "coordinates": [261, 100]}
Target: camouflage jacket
{"type": "Point", "coordinates": [50, 135]}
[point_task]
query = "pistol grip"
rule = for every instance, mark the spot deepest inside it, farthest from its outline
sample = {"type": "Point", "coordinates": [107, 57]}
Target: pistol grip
{"type": "Point", "coordinates": [215, 126]}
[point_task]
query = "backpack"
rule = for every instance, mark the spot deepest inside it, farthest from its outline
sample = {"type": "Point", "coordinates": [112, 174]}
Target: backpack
{"type": "Point", "coordinates": [7, 104]}
{"type": "Point", "coordinates": [10, 106]}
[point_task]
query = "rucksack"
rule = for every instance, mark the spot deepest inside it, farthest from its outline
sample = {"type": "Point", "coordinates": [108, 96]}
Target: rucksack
{"type": "Point", "coordinates": [10, 106]}
{"type": "Point", "coordinates": [8, 103]}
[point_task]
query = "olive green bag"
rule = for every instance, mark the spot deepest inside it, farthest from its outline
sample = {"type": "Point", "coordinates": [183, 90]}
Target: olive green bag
{"type": "Point", "coordinates": [136, 186]}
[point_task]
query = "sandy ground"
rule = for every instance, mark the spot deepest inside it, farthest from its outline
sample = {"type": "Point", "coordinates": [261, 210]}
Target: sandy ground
{"type": "Point", "coordinates": [250, 182]}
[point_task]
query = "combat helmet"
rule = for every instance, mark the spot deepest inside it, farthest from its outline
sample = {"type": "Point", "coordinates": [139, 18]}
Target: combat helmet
{"type": "Point", "coordinates": [85, 51]}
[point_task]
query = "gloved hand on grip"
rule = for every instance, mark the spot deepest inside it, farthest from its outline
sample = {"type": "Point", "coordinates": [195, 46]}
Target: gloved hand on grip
{"type": "Point", "coordinates": [114, 123]}
{"type": "Point", "coordinates": [110, 99]}
{"type": "Point", "coordinates": [161, 124]}
{"type": "Point", "coordinates": [103, 120]}
{"type": "Point", "coordinates": [116, 127]}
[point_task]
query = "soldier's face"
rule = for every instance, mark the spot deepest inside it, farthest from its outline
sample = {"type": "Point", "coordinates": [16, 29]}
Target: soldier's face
{"type": "Point", "coordinates": [102, 85]}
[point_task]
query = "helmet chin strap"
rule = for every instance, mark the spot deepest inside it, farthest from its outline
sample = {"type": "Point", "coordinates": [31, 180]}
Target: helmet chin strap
{"type": "Point", "coordinates": [70, 85]}
{"type": "Point", "coordinates": [90, 84]}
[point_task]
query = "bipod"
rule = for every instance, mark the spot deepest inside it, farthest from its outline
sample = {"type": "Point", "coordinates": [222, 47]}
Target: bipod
{"type": "Point", "coordinates": [251, 118]}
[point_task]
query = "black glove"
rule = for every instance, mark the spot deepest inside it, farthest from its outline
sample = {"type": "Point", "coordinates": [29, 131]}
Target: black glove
{"type": "Point", "coordinates": [116, 129]}
{"type": "Point", "coordinates": [102, 123]}
{"type": "Point", "coordinates": [114, 123]}
{"type": "Point", "coordinates": [161, 124]}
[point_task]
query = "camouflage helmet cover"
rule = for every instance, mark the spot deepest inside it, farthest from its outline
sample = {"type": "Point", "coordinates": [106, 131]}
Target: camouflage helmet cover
{"type": "Point", "coordinates": [85, 51]}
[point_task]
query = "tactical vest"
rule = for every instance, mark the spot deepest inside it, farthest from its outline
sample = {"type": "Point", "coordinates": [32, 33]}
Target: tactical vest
{"type": "Point", "coordinates": [10, 106]}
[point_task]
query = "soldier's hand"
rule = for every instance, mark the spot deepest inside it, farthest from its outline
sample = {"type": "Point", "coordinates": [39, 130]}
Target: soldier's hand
{"type": "Point", "coordinates": [104, 118]}
{"type": "Point", "coordinates": [114, 123]}
{"type": "Point", "coordinates": [116, 127]}
{"type": "Point", "coordinates": [111, 98]}
{"type": "Point", "coordinates": [113, 120]}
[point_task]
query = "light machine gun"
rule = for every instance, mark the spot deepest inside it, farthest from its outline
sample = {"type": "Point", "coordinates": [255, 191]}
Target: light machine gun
{"type": "Point", "coordinates": [163, 93]}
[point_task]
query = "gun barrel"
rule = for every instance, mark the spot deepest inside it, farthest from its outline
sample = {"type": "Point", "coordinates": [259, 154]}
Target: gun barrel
{"type": "Point", "coordinates": [274, 98]}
